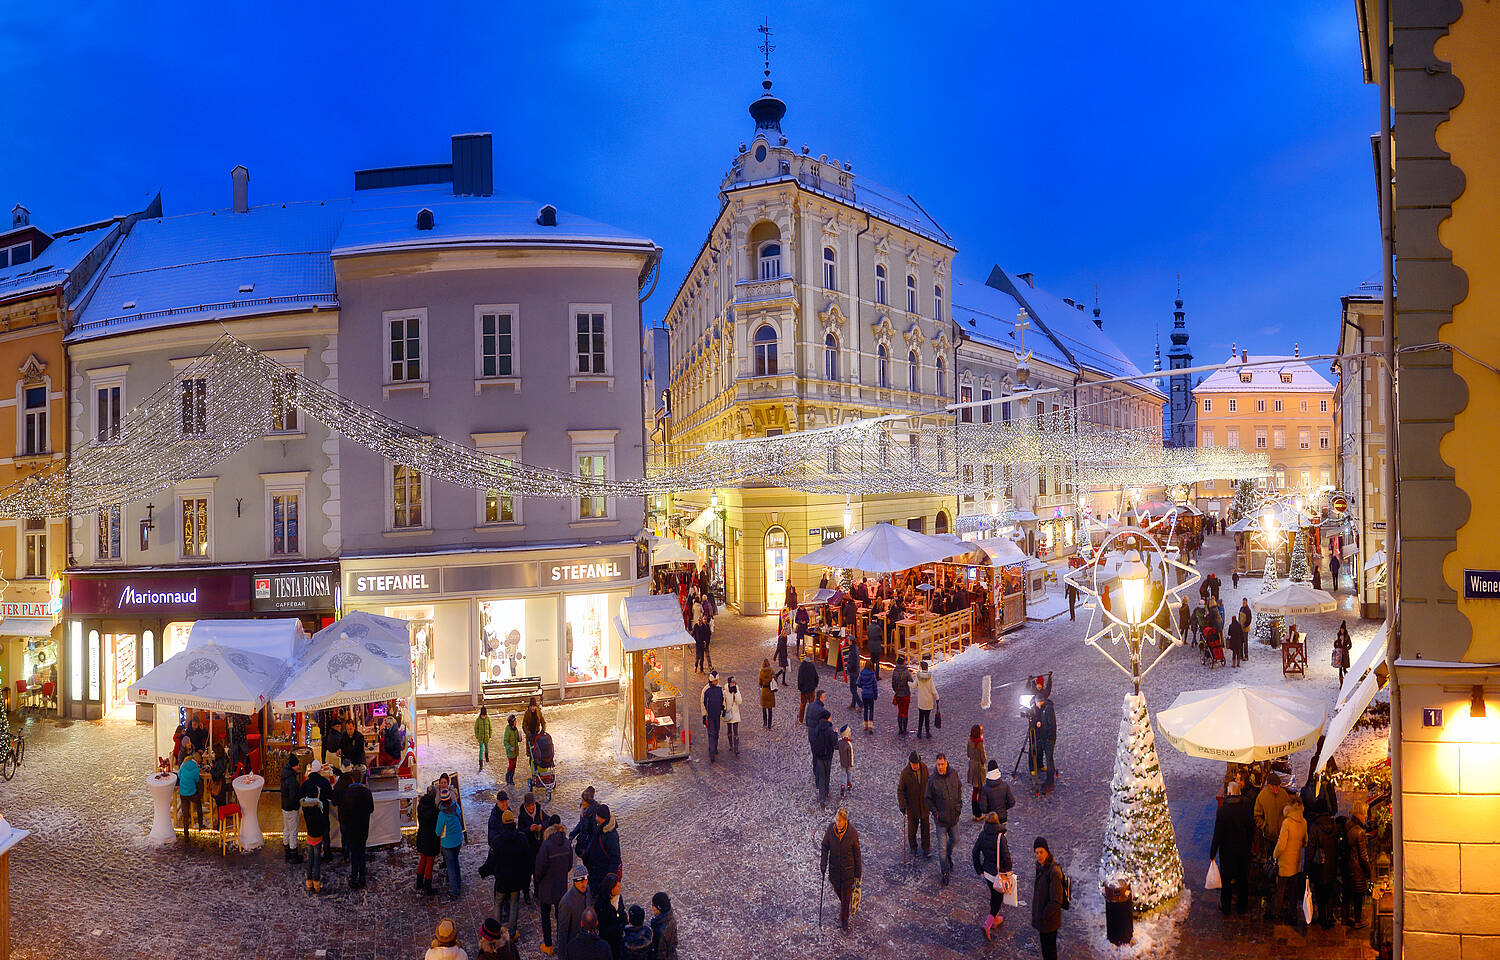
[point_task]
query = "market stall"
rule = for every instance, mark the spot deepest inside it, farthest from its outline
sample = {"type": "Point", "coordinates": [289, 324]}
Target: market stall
{"type": "Point", "coordinates": [654, 709]}
{"type": "Point", "coordinates": [1000, 567]}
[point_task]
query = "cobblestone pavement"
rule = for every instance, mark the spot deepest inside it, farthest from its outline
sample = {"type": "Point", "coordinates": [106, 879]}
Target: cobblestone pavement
{"type": "Point", "coordinates": [734, 843]}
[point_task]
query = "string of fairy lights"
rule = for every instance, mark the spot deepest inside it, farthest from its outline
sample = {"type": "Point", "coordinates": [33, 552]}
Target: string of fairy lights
{"type": "Point", "coordinates": [228, 397]}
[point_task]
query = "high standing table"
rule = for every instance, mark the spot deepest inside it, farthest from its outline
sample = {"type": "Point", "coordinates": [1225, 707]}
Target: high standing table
{"type": "Point", "coordinates": [247, 790]}
{"type": "Point", "coordinates": [162, 786]}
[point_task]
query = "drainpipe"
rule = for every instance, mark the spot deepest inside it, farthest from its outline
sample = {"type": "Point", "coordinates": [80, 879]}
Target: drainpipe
{"type": "Point", "coordinates": [1393, 514]}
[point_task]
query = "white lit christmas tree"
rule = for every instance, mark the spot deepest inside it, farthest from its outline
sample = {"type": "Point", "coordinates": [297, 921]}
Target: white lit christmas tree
{"type": "Point", "coordinates": [1140, 846]}
{"type": "Point", "coordinates": [1298, 572]}
{"type": "Point", "coordinates": [1266, 627]}
{"type": "Point", "coordinates": [1244, 500]}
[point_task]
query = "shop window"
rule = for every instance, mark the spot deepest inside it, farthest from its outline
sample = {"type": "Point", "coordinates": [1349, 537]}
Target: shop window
{"type": "Point", "coordinates": [194, 526]}
{"type": "Point", "coordinates": [34, 424]}
{"type": "Point", "coordinates": [776, 567]}
{"type": "Point", "coordinates": [107, 545]}
{"type": "Point", "coordinates": [587, 652]}
{"type": "Point", "coordinates": [193, 393]}
{"type": "Point", "coordinates": [36, 547]}
{"type": "Point", "coordinates": [406, 497]}
{"type": "Point", "coordinates": [502, 630]}
{"type": "Point", "coordinates": [285, 532]}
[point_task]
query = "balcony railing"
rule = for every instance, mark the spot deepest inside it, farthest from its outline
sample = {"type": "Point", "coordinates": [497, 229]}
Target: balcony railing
{"type": "Point", "coordinates": [751, 291]}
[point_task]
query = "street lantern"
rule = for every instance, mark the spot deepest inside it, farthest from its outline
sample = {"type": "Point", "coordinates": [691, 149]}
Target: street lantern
{"type": "Point", "coordinates": [848, 515]}
{"type": "Point", "coordinates": [713, 500]}
{"type": "Point", "coordinates": [1133, 575]}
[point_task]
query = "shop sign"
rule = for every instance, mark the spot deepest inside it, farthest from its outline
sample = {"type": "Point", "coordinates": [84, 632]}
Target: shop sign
{"type": "Point", "coordinates": [379, 583]}
{"type": "Point", "coordinates": [489, 576]}
{"type": "Point", "coordinates": [832, 534]}
{"type": "Point", "coordinates": [1482, 584]}
{"type": "Point", "coordinates": [1339, 504]}
{"type": "Point", "coordinates": [600, 570]}
{"type": "Point", "coordinates": [293, 590]}
{"type": "Point", "coordinates": [22, 609]}
{"type": "Point", "coordinates": [147, 595]}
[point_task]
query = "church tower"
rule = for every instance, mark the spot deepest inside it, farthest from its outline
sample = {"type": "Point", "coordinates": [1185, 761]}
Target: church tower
{"type": "Point", "coordinates": [1184, 413]}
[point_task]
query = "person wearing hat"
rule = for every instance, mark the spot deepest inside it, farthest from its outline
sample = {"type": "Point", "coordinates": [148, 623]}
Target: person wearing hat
{"type": "Point", "coordinates": [712, 701]}
{"type": "Point", "coordinates": [428, 846]}
{"type": "Point", "coordinates": [495, 943]}
{"type": "Point", "coordinates": [584, 831]}
{"type": "Point", "coordinates": [450, 830]}
{"type": "Point", "coordinates": [1356, 866]}
{"type": "Point", "coordinates": [840, 861]}
{"type": "Point", "coordinates": [911, 800]}
{"type": "Point", "coordinates": [483, 731]}
{"type": "Point", "coordinates": [1046, 898]}
{"type": "Point", "coordinates": [602, 857]}
{"type": "Point", "coordinates": [609, 905]}
{"type": "Point", "coordinates": [995, 795]}
{"type": "Point", "coordinates": [901, 693]}
{"type": "Point", "coordinates": [530, 820]}
{"type": "Point", "coordinates": [512, 749]}
{"type": "Point", "coordinates": [637, 943]}
{"type": "Point", "coordinates": [445, 942]}
{"type": "Point", "coordinates": [991, 857]}
{"type": "Point", "coordinates": [663, 926]}
{"type": "Point", "coordinates": [511, 862]}
{"type": "Point", "coordinates": [317, 796]}
{"type": "Point", "coordinates": [551, 866]}
{"type": "Point", "coordinates": [570, 909]}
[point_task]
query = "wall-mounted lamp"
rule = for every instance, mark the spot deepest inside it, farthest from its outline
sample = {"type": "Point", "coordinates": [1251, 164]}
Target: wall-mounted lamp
{"type": "Point", "coordinates": [1476, 701]}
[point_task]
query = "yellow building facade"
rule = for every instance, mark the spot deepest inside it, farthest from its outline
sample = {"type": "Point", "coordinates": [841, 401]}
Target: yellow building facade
{"type": "Point", "coordinates": [816, 299]}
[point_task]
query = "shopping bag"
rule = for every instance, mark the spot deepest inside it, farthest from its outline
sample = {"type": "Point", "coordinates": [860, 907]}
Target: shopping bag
{"type": "Point", "coordinates": [1307, 911]}
{"type": "Point", "coordinates": [1212, 881]}
{"type": "Point", "coordinates": [1011, 898]}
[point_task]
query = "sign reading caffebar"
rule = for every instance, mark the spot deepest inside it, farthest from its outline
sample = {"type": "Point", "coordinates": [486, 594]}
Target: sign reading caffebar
{"type": "Point", "coordinates": [293, 590]}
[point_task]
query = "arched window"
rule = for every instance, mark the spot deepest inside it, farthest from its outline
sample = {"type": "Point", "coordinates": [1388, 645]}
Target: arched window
{"type": "Point", "coordinates": [880, 283]}
{"type": "Point", "coordinates": [765, 350]}
{"type": "Point", "coordinates": [913, 372]}
{"type": "Point", "coordinates": [941, 526]}
{"type": "Point", "coordinates": [937, 302]}
{"type": "Point", "coordinates": [830, 357]}
{"type": "Point", "coordinates": [882, 367]}
{"type": "Point", "coordinates": [770, 260]}
{"type": "Point", "coordinates": [942, 379]}
{"type": "Point", "coordinates": [911, 294]}
{"type": "Point", "coordinates": [830, 269]}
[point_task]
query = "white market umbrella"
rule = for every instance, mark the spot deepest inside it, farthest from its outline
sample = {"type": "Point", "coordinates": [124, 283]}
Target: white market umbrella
{"type": "Point", "coordinates": [1294, 599]}
{"type": "Point", "coordinates": [883, 548]}
{"type": "Point", "coordinates": [1002, 551]}
{"type": "Point", "coordinates": [211, 677]}
{"type": "Point", "coordinates": [1376, 559]}
{"type": "Point", "coordinates": [1241, 724]}
{"type": "Point", "coordinates": [1347, 716]}
{"type": "Point", "coordinates": [670, 551]}
{"type": "Point", "coordinates": [360, 625]}
{"type": "Point", "coordinates": [351, 661]}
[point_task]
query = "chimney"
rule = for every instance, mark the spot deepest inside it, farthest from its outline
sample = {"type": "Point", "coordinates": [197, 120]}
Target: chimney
{"type": "Point", "coordinates": [473, 165]}
{"type": "Point", "coordinates": [1030, 278]}
{"type": "Point", "coordinates": [1234, 348]}
{"type": "Point", "coordinates": [19, 216]}
{"type": "Point", "coordinates": [1244, 356]}
{"type": "Point", "coordinates": [240, 175]}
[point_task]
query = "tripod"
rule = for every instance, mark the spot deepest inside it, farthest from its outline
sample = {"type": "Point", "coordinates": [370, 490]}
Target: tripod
{"type": "Point", "coordinates": [1028, 750]}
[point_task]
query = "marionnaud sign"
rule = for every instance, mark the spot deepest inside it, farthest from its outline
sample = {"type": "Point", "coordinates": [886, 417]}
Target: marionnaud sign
{"type": "Point", "coordinates": [1482, 584]}
{"type": "Point", "coordinates": [131, 596]}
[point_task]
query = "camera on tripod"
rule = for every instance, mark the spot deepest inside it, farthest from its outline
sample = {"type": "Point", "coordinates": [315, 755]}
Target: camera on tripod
{"type": "Point", "coordinates": [1036, 688]}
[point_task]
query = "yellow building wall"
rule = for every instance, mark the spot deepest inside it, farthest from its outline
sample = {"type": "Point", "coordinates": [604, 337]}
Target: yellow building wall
{"type": "Point", "coordinates": [1247, 419]}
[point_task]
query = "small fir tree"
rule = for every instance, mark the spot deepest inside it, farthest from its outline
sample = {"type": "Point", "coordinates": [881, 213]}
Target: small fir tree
{"type": "Point", "coordinates": [1140, 846]}
{"type": "Point", "coordinates": [1245, 500]}
{"type": "Point", "coordinates": [1267, 628]}
{"type": "Point", "coordinates": [1299, 572]}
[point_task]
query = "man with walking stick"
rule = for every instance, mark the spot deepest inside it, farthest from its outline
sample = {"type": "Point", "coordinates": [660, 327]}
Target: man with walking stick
{"type": "Point", "coordinates": [842, 864]}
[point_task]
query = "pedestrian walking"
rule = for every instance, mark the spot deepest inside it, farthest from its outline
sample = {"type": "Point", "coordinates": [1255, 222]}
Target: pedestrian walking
{"type": "Point", "coordinates": [553, 863]}
{"type": "Point", "coordinates": [532, 724]}
{"type": "Point", "coordinates": [852, 667]}
{"type": "Point", "coordinates": [869, 689]}
{"type": "Point", "coordinates": [992, 862]}
{"type": "Point", "coordinates": [1046, 740]}
{"type": "Point", "coordinates": [1234, 576]}
{"type": "Point", "coordinates": [291, 806]}
{"type": "Point", "coordinates": [428, 847]}
{"type": "Point", "coordinates": [766, 680]}
{"type": "Point", "coordinates": [570, 910]}
{"type": "Point", "coordinates": [807, 684]}
{"type": "Point", "coordinates": [781, 657]}
{"type": "Point", "coordinates": [1048, 895]}
{"type": "Point", "coordinates": [512, 749]}
{"type": "Point", "coordinates": [483, 730]}
{"type": "Point", "coordinates": [1185, 622]}
{"type": "Point", "coordinates": [901, 692]}
{"type": "Point", "coordinates": [511, 864]}
{"type": "Point", "coordinates": [1356, 867]}
{"type": "Point", "coordinates": [356, 805]}
{"type": "Point", "coordinates": [1270, 806]}
{"type": "Point", "coordinates": [663, 926]}
{"type": "Point", "coordinates": [927, 700]}
{"type": "Point", "coordinates": [1072, 594]}
{"type": "Point", "coordinates": [1288, 856]}
{"type": "Point", "coordinates": [712, 702]}
{"type": "Point", "coordinates": [1323, 866]}
{"type": "Point", "coordinates": [317, 797]}
{"type": "Point", "coordinates": [583, 831]}
{"type": "Point", "coordinates": [822, 741]}
{"type": "Point", "coordinates": [1233, 839]}
{"type": "Point", "coordinates": [841, 863]}
{"type": "Point", "coordinates": [911, 800]}
{"type": "Point", "coordinates": [602, 857]}
{"type": "Point", "coordinates": [1237, 641]}
{"type": "Point", "coordinates": [732, 702]}
{"type": "Point", "coordinates": [977, 761]}
{"type": "Point", "coordinates": [846, 760]}
{"type": "Point", "coordinates": [1333, 568]}
{"type": "Point", "coordinates": [944, 792]}
{"type": "Point", "coordinates": [996, 796]}
{"type": "Point", "coordinates": [1341, 645]}
{"type": "Point", "coordinates": [445, 943]}
{"type": "Point", "coordinates": [701, 638]}
{"type": "Point", "coordinates": [450, 831]}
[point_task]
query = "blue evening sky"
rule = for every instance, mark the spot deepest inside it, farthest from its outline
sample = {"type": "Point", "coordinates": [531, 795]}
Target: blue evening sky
{"type": "Point", "coordinates": [1089, 143]}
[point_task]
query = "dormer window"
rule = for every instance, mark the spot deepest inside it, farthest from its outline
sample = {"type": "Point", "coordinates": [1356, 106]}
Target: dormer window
{"type": "Point", "coordinates": [1286, 376]}
{"type": "Point", "coordinates": [1244, 376]}
{"type": "Point", "coordinates": [15, 255]}
{"type": "Point", "coordinates": [770, 260]}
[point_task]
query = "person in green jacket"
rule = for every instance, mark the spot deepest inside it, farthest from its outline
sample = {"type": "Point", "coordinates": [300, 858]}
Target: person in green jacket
{"type": "Point", "coordinates": [482, 732]}
{"type": "Point", "coordinates": [512, 750]}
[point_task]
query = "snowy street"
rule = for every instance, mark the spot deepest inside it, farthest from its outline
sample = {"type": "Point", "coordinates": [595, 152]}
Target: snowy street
{"type": "Point", "coordinates": [734, 843]}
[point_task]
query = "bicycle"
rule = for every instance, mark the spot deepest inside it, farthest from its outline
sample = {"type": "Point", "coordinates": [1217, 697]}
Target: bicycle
{"type": "Point", "coordinates": [12, 759]}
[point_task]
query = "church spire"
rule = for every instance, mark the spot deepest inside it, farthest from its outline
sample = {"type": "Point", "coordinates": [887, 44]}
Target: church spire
{"type": "Point", "coordinates": [767, 108]}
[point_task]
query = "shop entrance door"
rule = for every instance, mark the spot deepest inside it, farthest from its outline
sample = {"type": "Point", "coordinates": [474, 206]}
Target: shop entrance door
{"type": "Point", "coordinates": [776, 568]}
{"type": "Point", "coordinates": [120, 665]}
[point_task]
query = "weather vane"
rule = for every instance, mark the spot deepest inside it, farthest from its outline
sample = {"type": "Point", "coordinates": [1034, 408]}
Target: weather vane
{"type": "Point", "coordinates": [1023, 323]}
{"type": "Point", "coordinates": [766, 46]}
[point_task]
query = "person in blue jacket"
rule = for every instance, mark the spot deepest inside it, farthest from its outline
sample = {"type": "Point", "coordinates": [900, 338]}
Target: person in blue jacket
{"type": "Point", "coordinates": [189, 793]}
{"type": "Point", "coordinates": [450, 831]}
{"type": "Point", "coordinates": [869, 688]}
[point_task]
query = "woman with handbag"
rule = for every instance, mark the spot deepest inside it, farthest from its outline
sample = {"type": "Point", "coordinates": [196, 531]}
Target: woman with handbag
{"type": "Point", "coordinates": [992, 863]}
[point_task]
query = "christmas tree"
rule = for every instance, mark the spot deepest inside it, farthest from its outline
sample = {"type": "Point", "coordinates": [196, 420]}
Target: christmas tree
{"type": "Point", "coordinates": [1139, 844]}
{"type": "Point", "coordinates": [1266, 628]}
{"type": "Point", "coordinates": [1298, 572]}
{"type": "Point", "coordinates": [1244, 500]}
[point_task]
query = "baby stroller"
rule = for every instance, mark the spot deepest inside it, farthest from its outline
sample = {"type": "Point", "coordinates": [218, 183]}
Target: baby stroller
{"type": "Point", "coordinates": [1213, 648]}
{"type": "Point", "coordinates": [543, 778]}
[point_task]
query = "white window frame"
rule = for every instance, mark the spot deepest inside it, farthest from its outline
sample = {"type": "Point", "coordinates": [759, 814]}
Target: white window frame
{"type": "Point", "coordinates": [1304, 438]}
{"type": "Point", "coordinates": [1322, 406]}
{"type": "Point", "coordinates": [830, 268]}
{"type": "Point", "coordinates": [198, 488]}
{"type": "Point", "coordinates": [27, 536]}
{"type": "Point", "coordinates": [986, 412]}
{"type": "Point", "coordinates": [507, 444]}
{"type": "Point", "coordinates": [424, 343]}
{"type": "Point", "coordinates": [23, 428]}
{"type": "Point", "coordinates": [831, 352]}
{"type": "Point", "coordinates": [937, 301]}
{"type": "Point", "coordinates": [757, 345]}
{"type": "Point", "coordinates": [882, 366]}
{"type": "Point", "coordinates": [940, 373]}
{"type": "Point", "coordinates": [292, 482]}
{"type": "Point", "coordinates": [1232, 437]}
{"type": "Point", "coordinates": [608, 375]}
{"type": "Point", "coordinates": [913, 372]}
{"type": "Point", "coordinates": [1278, 438]}
{"type": "Point", "coordinates": [882, 287]}
{"type": "Point", "coordinates": [1261, 438]}
{"type": "Point", "coordinates": [588, 443]}
{"type": "Point", "coordinates": [295, 359]}
{"type": "Point", "coordinates": [1260, 406]}
{"type": "Point", "coordinates": [1325, 438]}
{"type": "Point", "coordinates": [1208, 405]}
{"type": "Point", "coordinates": [513, 379]}
{"type": "Point", "coordinates": [911, 293]}
{"type": "Point", "coordinates": [1206, 437]}
{"type": "Point", "coordinates": [762, 261]}
{"type": "Point", "coordinates": [1233, 404]}
{"type": "Point", "coordinates": [99, 555]}
{"type": "Point", "coordinates": [105, 378]}
{"type": "Point", "coordinates": [389, 524]}
{"type": "Point", "coordinates": [1278, 406]}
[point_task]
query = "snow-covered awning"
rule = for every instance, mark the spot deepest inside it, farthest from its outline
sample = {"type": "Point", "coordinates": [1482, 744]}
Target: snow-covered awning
{"type": "Point", "coordinates": [1369, 658]}
{"type": "Point", "coordinates": [1347, 716]}
{"type": "Point", "coordinates": [645, 623]}
{"type": "Point", "coordinates": [700, 523]}
{"type": "Point", "coordinates": [1376, 559]}
{"type": "Point", "coordinates": [27, 627]}
{"type": "Point", "coordinates": [670, 551]}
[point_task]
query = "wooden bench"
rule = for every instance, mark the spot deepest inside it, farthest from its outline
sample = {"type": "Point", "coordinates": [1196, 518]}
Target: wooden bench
{"type": "Point", "coordinates": [925, 638]}
{"type": "Point", "coordinates": [515, 693]}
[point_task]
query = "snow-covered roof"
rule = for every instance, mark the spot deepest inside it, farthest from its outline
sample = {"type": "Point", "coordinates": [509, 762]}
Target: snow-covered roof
{"type": "Point", "coordinates": [989, 316]}
{"type": "Point", "coordinates": [386, 219]}
{"type": "Point", "coordinates": [184, 269]}
{"type": "Point", "coordinates": [51, 267]}
{"type": "Point", "coordinates": [870, 197]}
{"type": "Point", "coordinates": [1265, 379]}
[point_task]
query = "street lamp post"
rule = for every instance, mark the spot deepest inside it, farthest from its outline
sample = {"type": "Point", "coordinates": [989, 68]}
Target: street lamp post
{"type": "Point", "coordinates": [1133, 577]}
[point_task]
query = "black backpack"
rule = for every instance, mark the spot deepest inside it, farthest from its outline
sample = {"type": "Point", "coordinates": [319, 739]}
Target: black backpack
{"type": "Point", "coordinates": [1067, 886]}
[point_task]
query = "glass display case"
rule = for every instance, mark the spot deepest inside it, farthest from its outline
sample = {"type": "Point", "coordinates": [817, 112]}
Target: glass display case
{"type": "Point", "coordinates": [654, 713]}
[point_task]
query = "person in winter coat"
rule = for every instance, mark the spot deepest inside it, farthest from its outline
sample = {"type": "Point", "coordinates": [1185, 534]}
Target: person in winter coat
{"type": "Point", "coordinates": [782, 656]}
{"type": "Point", "coordinates": [531, 725]}
{"type": "Point", "coordinates": [1356, 867]}
{"type": "Point", "coordinates": [445, 943]}
{"type": "Point", "coordinates": [991, 859]}
{"type": "Point", "coordinates": [583, 832]}
{"type": "Point", "coordinates": [901, 693]}
{"type": "Point", "coordinates": [732, 701]}
{"type": "Point", "coordinates": [807, 684]}
{"type": "Point", "coordinates": [841, 862]}
{"type": "Point", "coordinates": [531, 820]}
{"type": "Point", "coordinates": [927, 700]}
{"type": "Point", "coordinates": [602, 857]}
{"type": "Point", "coordinates": [190, 793]}
{"type": "Point", "coordinates": [483, 730]}
{"type": "Point", "coordinates": [450, 831]}
{"type": "Point", "coordinates": [1234, 834]}
{"type": "Point", "coordinates": [995, 797]}
{"type": "Point", "coordinates": [944, 795]}
{"type": "Point", "coordinates": [1323, 866]}
{"type": "Point", "coordinates": [1341, 645]}
{"type": "Point", "coordinates": [702, 636]}
{"type": "Point", "coordinates": [554, 861]}
{"type": "Point", "coordinates": [1045, 719]}
{"type": "Point", "coordinates": [1185, 621]}
{"type": "Point", "coordinates": [355, 808]}
{"type": "Point", "coordinates": [869, 689]}
{"type": "Point", "coordinates": [875, 641]}
{"type": "Point", "coordinates": [911, 800]}
{"type": "Point", "coordinates": [637, 942]}
{"type": "Point", "coordinates": [610, 907]}
{"type": "Point", "coordinates": [570, 910]}
{"type": "Point", "coordinates": [317, 797]}
{"type": "Point", "coordinates": [1288, 856]}
{"type": "Point", "coordinates": [977, 761]}
{"type": "Point", "coordinates": [1046, 898]}
{"type": "Point", "coordinates": [766, 680]}
{"type": "Point", "coordinates": [291, 806]}
{"type": "Point", "coordinates": [851, 669]}
{"type": "Point", "coordinates": [352, 747]}
{"type": "Point", "coordinates": [1236, 642]}
{"type": "Point", "coordinates": [511, 863]}
{"type": "Point", "coordinates": [712, 702]}
{"type": "Point", "coordinates": [823, 742]}
{"type": "Point", "coordinates": [588, 945]}
{"type": "Point", "coordinates": [846, 759]}
{"type": "Point", "coordinates": [428, 847]}
{"type": "Point", "coordinates": [663, 926]}
{"type": "Point", "coordinates": [1270, 805]}
{"type": "Point", "coordinates": [495, 943]}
